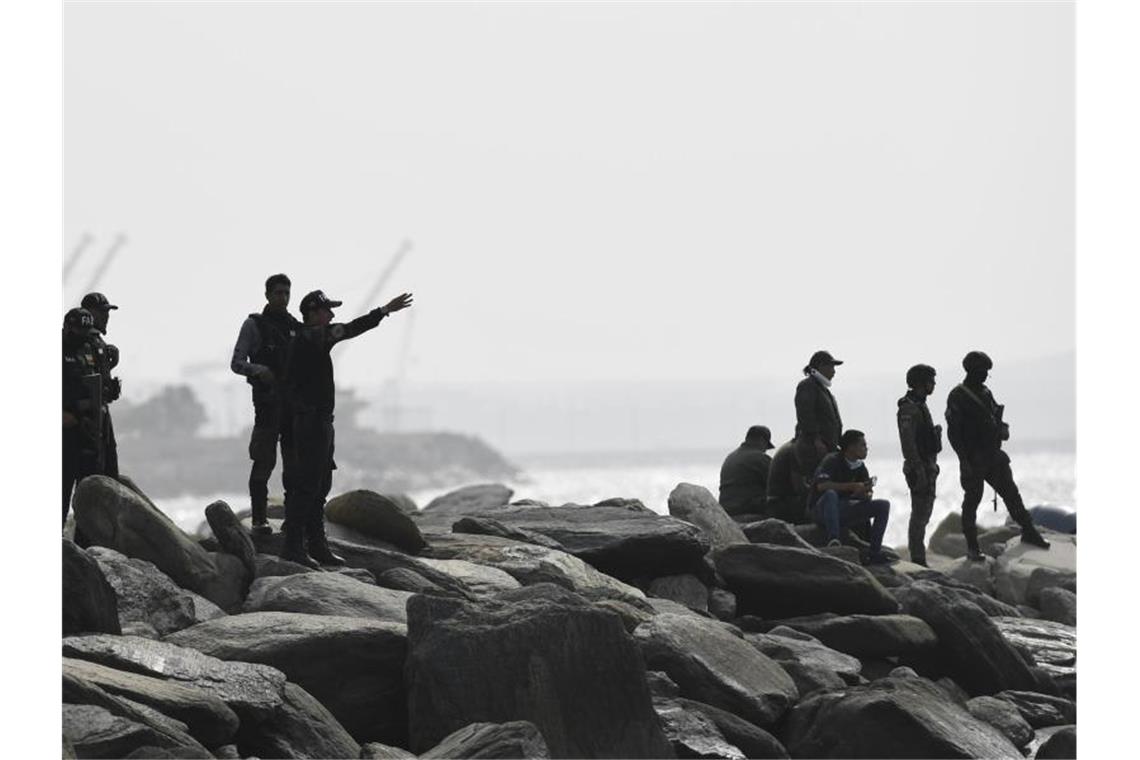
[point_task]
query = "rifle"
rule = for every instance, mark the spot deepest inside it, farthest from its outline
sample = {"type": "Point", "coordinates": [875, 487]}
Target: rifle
{"type": "Point", "coordinates": [94, 385]}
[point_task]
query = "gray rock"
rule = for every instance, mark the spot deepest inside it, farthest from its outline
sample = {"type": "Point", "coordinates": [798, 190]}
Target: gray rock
{"type": "Point", "coordinates": [564, 665]}
{"type": "Point", "coordinates": [1053, 647]}
{"type": "Point", "coordinates": [403, 579]}
{"type": "Point", "coordinates": [327, 594]}
{"type": "Point", "coordinates": [715, 667]}
{"type": "Point", "coordinates": [1062, 744]}
{"type": "Point", "coordinates": [781, 581]}
{"type": "Point", "coordinates": [111, 515]}
{"type": "Point", "coordinates": [695, 504]}
{"type": "Point", "coordinates": [93, 731]}
{"type": "Point", "coordinates": [207, 718]}
{"type": "Point", "coordinates": [353, 666]}
{"type": "Point", "coordinates": [975, 650]}
{"type": "Point", "coordinates": [775, 531]}
{"type": "Point", "coordinates": [1041, 710]}
{"type": "Point", "coordinates": [488, 526]}
{"type": "Point", "coordinates": [378, 751]}
{"type": "Point", "coordinates": [204, 609]}
{"type": "Point", "coordinates": [977, 574]}
{"type": "Point", "coordinates": [252, 691]}
{"type": "Point", "coordinates": [271, 565]}
{"type": "Point", "coordinates": [1004, 717]}
{"type": "Point", "coordinates": [891, 717]}
{"type": "Point", "coordinates": [378, 516]}
{"type": "Point", "coordinates": [963, 591]}
{"type": "Point", "coordinates": [360, 551]}
{"type": "Point", "coordinates": [693, 734]}
{"type": "Point", "coordinates": [232, 537]}
{"type": "Point", "coordinates": [956, 692]}
{"type": "Point", "coordinates": [227, 752]}
{"type": "Point", "coordinates": [811, 665]}
{"type": "Point", "coordinates": [865, 636]}
{"type": "Point", "coordinates": [470, 500]}
{"type": "Point", "coordinates": [144, 593]}
{"type": "Point", "coordinates": [1046, 577]}
{"type": "Point", "coordinates": [633, 505]}
{"type": "Point", "coordinates": [514, 739]}
{"type": "Point", "coordinates": [661, 686]}
{"type": "Point", "coordinates": [682, 589]}
{"type": "Point", "coordinates": [948, 540]}
{"type": "Point", "coordinates": [750, 739]}
{"type": "Point", "coordinates": [481, 580]}
{"type": "Point", "coordinates": [722, 604]}
{"type": "Point", "coordinates": [89, 601]}
{"type": "Point", "coordinates": [902, 671]}
{"type": "Point", "coordinates": [1059, 605]}
{"type": "Point", "coordinates": [1016, 567]}
{"type": "Point", "coordinates": [301, 727]}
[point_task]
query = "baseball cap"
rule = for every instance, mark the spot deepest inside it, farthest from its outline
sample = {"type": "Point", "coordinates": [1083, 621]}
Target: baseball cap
{"type": "Point", "coordinates": [80, 319]}
{"type": "Point", "coordinates": [759, 434]}
{"type": "Point", "coordinates": [822, 357]}
{"type": "Point", "coordinates": [97, 301]}
{"type": "Point", "coordinates": [316, 300]}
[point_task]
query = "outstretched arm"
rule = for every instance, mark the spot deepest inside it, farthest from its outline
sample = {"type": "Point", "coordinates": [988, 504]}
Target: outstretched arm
{"type": "Point", "coordinates": [362, 324]}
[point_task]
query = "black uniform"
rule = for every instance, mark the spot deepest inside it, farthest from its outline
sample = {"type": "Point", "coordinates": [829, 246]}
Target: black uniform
{"type": "Point", "coordinates": [312, 394]}
{"type": "Point", "coordinates": [817, 415]}
{"type": "Point", "coordinates": [744, 479]}
{"type": "Point", "coordinates": [81, 442]}
{"type": "Point", "coordinates": [106, 359]}
{"type": "Point", "coordinates": [975, 430]}
{"type": "Point", "coordinates": [787, 494]}
{"type": "Point", "coordinates": [921, 441]}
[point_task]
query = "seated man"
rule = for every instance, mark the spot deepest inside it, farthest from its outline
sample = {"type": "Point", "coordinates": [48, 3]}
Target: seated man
{"type": "Point", "coordinates": [787, 495]}
{"type": "Point", "coordinates": [842, 489]}
{"type": "Point", "coordinates": [744, 474]}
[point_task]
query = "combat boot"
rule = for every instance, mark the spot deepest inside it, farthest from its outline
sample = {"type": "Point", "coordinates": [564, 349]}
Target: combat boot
{"type": "Point", "coordinates": [972, 550]}
{"type": "Point", "coordinates": [1030, 535]}
{"type": "Point", "coordinates": [259, 518]}
{"type": "Point", "coordinates": [319, 546]}
{"type": "Point", "coordinates": [294, 550]}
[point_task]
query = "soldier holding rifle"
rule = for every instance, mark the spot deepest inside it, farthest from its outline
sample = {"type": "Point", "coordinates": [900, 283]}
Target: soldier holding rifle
{"type": "Point", "coordinates": [83, 404]}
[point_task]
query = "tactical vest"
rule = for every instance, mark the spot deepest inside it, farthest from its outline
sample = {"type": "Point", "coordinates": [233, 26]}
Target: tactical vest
{"type": "Point", "coordinates": [276, 339]}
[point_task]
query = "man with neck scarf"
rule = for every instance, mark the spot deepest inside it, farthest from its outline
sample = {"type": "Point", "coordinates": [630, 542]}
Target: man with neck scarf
{"type": "Point", "coordinates": [818, 424]}
{"type": "Point", "coordinates": [841, 494]}
{"type": "Point", "coordinates": [976, 429]}
{"type": "Point", "coordinates": [261, 356]}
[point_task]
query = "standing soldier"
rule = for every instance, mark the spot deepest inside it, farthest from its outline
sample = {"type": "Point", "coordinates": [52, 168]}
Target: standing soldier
{"type": "Point", "coordinates": [818, 424]}
{"type": "Point", "coordinates": [976, 431]}
{"type": "Point", "coordinates": [107, 358]}
{"type": "Point", "coordinates": [312, 393]}
{"type": "Point", "coordinates": [921, 441]}
{"type": "Point", "coordinates": [261, 355]}
{"type": "Point", "coordinates": [82, 405]}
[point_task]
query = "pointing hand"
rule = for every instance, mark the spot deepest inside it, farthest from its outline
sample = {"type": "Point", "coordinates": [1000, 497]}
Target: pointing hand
{"type": "Point", "coordinates": [402, 301]}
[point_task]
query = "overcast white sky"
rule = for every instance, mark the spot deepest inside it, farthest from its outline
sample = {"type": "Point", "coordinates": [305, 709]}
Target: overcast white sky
{"type": "Point", "coordinates": [611, 192]}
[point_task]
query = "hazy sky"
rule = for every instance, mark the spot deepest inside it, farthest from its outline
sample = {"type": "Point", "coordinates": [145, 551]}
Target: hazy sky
{"type": "Point", "coordinates": [608, 192]}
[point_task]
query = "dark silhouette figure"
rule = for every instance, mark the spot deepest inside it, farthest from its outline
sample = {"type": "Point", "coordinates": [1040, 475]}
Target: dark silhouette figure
{"type": "Point", "coordinates": [82, 404]}
{"type": "Point", "coordinates": [744, 474]}
{"type": "Point", "coordinates": [976, 429]}
{"type": "Point", "coordinates": [107, 358]}
{"type": "Point", "coordinates": [818, 424]}
{"type": "Point", "coordinates": [842, 491]}
{"type": "Point", "coordinates": [921, 441]}
{"type": "Point", "coordinates": [787, 493]}
{"type": "Point", "coordinates": [312, 394]}
{"type": "Point", "coordinates": [261, 355]}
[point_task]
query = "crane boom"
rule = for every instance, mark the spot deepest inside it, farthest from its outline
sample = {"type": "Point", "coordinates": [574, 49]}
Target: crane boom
{"type": "Point", "coordinates": [116, 245]}
{"type": "Point", "coordinates": [84, 242]}
{"type": "Point", "coordinates": [382, 280]}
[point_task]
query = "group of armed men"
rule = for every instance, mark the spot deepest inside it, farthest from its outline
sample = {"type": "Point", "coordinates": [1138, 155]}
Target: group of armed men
{"type": "Point", "coordinates": [287, 363]}
{"type": "Point", "coordinates": [820, 476]}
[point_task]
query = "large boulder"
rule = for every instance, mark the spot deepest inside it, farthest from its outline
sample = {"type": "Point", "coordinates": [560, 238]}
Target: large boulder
{"type": "Point", "coordinates": [976, 652]}
{"type": "Point", "coordinates": [481, 580]}
{"type": "Point", "coordinates": [891, 718]}
{"type": "Point", "coordinates": [560, 663]}
{"type": "Point", "coordinates": [782, 581]}
{"type": "Point", "coordinates": [112, 515]}
{"type": "Point", "coordinates": [693, 734]}
{"type": "Point", "coordinates": [1004, 717]}
{"type": "Point", "coordinates": [1053, 646]}
{"type": "Point", "coordinates": [947, 539]}
{"type": "Point", "coordinates": [252, 691]}
{"type": "Point", "coordinates": [149, 602]}
{"type": "Point", "coordinates": [529, 563]}
{"type": "Point", "coordinates": [207, 717]}
{"type": "Point", "coordinates": [1060, 745]}
{"type": "Point", "coordinates": [300, 727]}
{"type": "Point", "coordinates": [711, 665]}
{"type": "Point", "coordinates": [1058, 605]}
{"type": "Point", "coordinates": [514, 739]}
{"type": "Point", "coordinates": [94, 731]}
{"type": "Point", "coordinates": [376, 515]}
{"type": "Point", "coordinates": [750, 739]}
{"type": "Point", "coordinates": [378, 557]}
{"type": "Point", "coordinates": [89, 601]}
{"type": "Point", "coordinates": [696, 505]}
{"type": "Point", "coordinates": [1046, 577]}
{"type": "Point", "coordinates": [775, 531]}
{"type": "Point", "coordinates": [488, 526]}
{"type": "Point", "coordinates": [353, 666]}
{"type": "Point", "coordinates": [231, 536]}
{"type": "Point", "coordinates": [862, 636]}
{"type": "Point", "coordinates": [682, 589]}
{"type": "Point", "coordinates": [469, 500]}
{"type": "Point", "coordinates": [811, 665]}
{"type": "Point", "coordinates": [327, 594]}
{"type": "Point", "coordinates": [622, 542]}
{"type": "Point", "coordinates": [1016, 566]}
{"type": "Point", "coordinates": [1041, 710]}
{"type": "Point", "coordinates": [965, 591]}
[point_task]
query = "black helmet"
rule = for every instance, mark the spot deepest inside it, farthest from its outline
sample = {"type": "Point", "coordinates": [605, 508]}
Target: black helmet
{"type": "Point", "coordinates": [976, 361]}
{"type": "Point", "coordinates": [919, 374]}
{"type": "Point", "coordinates": [79, 319]}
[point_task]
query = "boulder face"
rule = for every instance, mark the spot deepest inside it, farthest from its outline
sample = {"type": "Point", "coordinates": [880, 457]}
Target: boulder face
{"type": "Point", "coordinates": [781, 581]}
{"type": "Point", "coordinates": [353, 666]}
{"type": "Point", "coordinates": [1004, 717]}
{"type": "Point", "coordinates": [1062, 744]}
{"type": "Point", "coordinates": [713, 666]}
{"type": "Point", "coordinates": [1016, 566]}
{"type": "Point", "coordinates": [488, 526]}
{"type": "Point", "coordinates": [695, 504]}
{"type": "Point", "coordinates": [470, 500]}
{"type": "Point", "coordinates": [112, 515]}
{"type": "Point", "coordinates": [565, 666]}
{"type": "Point", "coordinates": [977, 653]}
{"type": "Point", "coordinates": [231, 536]}
{"type": "Point", "coordinates": [692, 733]}
{"type": "Point", "coordinates": [89, 601]}
{"type": "Point", "coordinates": [1059, 605]}
{"type": "Point", "coordinates": [327, 594]}
{"type": "Point", "coordinates": [811, 665]}
{"type": "Point", "coordinates": [145, 595]}
{"type": "Point", "coordinates": [682, 589]}
{"type": "Point", "coordinates": [1053, 646]}
{"type": "Point", "coordinates": [1041, 710]}
{"type": "Point", "coordinates": [376, 515]}
{"type": "Point", "coordinates": [775, 531]}
{"type": "Point", "coordinates": [515, 739]}
{"type": "Point", "coordinates": [300, 727]}
{"type": "Point", "coordinates": [752, 740]}
{"type": "Point", "coordinates": [94, 731]}
{"type": "Point", "coordinates": [865, 636]}
{"type": "Point", "coordinates": [891, 717]}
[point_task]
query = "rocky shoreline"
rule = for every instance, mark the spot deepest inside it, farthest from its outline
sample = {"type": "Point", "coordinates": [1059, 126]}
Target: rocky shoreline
{"type": "Point", "coordinates": [483, 627]}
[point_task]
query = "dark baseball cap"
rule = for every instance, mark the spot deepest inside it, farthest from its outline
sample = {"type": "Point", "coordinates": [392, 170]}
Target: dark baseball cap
{"type": "Point", "coordinates": [96, 301]}
{"type": "Point", "coordinates": [822, 357]}
{"type": "Point", "coordinates": [759, 434]}
{"type": "Point", "coordinates": [316, 300]}
{"type": "Point", "coordinates": [80, 319]}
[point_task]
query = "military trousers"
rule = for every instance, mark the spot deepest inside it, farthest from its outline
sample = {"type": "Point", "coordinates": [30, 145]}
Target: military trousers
{"type": "Point", "coordinates": [997, 472]}
{"type": "Point", "coordinates": [79, 461]}
{"type": "Point", "coordinates": [272, 425]}
{"type": "Point", "coordinates": [311, 475]}
{"type": "Point", "coordinates": [921, 478]}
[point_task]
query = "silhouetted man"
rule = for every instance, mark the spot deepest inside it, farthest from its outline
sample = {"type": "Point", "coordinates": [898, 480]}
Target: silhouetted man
{"type": "Point", "coordinates": [976, 429]}
{"type": "Point", "coordinates": [82, 389]}
{"type": "Point", "coordinates": [787, 493]}
{"type": "Point", "coordinates": [818, 424]}
{"type": "Point", "coordinates": [843, 488]}
{"type": "Point", "coordinates": [107, 358]}
{"type": "Point", "coordinates": [921, 441]}
{"type": "Point", "coordinates": [261, 355]}
{"type": "Point", "coordinates": [744, 474]}
{"type": "Point", "coordinates": [312, 393]}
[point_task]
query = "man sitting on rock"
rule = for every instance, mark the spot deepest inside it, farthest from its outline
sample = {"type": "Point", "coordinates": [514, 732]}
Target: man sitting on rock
{"type": "Point", "coordinates": [787, 492]}
{"type": "Point", "coordinates": [842, 491]}
{"type": "Point", "coordinates": [744, 474]}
